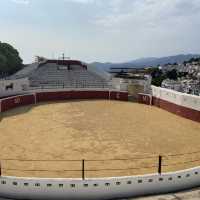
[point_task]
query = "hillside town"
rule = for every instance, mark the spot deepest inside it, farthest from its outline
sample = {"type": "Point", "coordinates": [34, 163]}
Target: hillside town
{"type": "Point", "coordinates": [184, 77]}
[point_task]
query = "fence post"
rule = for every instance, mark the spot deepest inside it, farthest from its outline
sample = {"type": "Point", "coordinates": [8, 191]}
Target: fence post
{"type": "Point", "coordinates": [83, 169]}
{"type": "Point", "coordinates": [160, 164]}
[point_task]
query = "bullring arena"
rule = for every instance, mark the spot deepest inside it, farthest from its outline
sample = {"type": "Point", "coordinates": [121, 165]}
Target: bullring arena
{"type": "Point", "coordinates": [68, 133]}
{"type": "Point", "coordinates": [94, 130]}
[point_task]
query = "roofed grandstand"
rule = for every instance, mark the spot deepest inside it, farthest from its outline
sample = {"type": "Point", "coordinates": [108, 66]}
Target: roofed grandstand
{"type": "Point", "coordinates": [63, 73]}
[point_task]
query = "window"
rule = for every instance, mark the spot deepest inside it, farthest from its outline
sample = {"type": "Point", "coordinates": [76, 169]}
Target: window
{"type": "Point", "coordinates": [187, 175]}
{"type": "Point", "coordinates": [49, 185]}
{"type": "Point", "coordinates": [160, 179]}
{"type": "Point", "coordinates": [37, 184]}
{"type": "Point", "coordinates": [60, 185]}
{"type": "Point", "coordinates": [25, 184]}
{"type": "Point", "coordinates": [129, 182]}
{"type": "Point", "coordinates": [95, 185]}
{"type": "Point", "coordinates": [118, 183]}
{"type": "Point", "coordinates": [85, 185]}
{"type": "Point", "coordinates": [8, 87]}
{"type": "Point", "coordinates": [170, 178]}
{"type": "Point", "coordinates": [3, 182]}
{"type": "Point", "coordinates": [139, 181]}
{"type": "Point", "coordinates": [150, 180]}
{"type": "Point", "coordinates": [196, 173]}
{"type": "Point", "coordinates": [14, 183]}
{"type": "Point", "coordinates": [179, 176]}
{"type": "Point", "coordinates": [107, 184]}
{"type": "Point", "coordinates": [72, 185]}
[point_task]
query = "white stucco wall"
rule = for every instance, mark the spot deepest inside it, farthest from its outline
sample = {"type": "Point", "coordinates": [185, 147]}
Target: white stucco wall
{"type": "Point", "coordinates": [19, 86]}
{"type": "Point", "coordinates": [182, 99]}
{"type": "Point", "coordinates": [191, 101]}
{"type": "Point", "coordinates": [104, 188]}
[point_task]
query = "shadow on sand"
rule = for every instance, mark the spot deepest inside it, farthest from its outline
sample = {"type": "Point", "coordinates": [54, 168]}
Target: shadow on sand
{"type": "Point", "coordinates": [24, 109]}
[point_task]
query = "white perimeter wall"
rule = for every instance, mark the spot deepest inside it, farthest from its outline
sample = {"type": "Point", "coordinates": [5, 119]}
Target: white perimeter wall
{"type": "Point", "coordinates": [104, 188]}
{"type": "Point", "coordinates": [19, 86]}
{"type": "Point", "coordinates": [182, 99]}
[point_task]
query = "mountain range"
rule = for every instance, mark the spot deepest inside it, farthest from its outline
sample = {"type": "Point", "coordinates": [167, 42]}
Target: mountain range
{"type": "Point", "coordinates": [146, 62]}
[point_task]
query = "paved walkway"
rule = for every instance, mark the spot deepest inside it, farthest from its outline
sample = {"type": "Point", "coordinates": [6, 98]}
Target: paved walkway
{"type": "Point", "coordinates": [186, 195]}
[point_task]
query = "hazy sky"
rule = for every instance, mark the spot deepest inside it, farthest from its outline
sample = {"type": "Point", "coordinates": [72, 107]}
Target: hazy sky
{"type": "Point", "coordinates": [101, 30]}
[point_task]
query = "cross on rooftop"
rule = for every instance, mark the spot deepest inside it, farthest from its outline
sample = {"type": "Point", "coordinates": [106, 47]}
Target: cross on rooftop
{"type": "Point", "coordinates": [63, 57]}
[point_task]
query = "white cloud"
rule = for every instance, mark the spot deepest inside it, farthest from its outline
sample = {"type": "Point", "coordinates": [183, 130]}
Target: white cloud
{"type": "Point", "coordinates": [25, 2]}
{"type": "Point", "coordinates": [146, 12]}
{"type": "Point", "coordinates": [81, 1]}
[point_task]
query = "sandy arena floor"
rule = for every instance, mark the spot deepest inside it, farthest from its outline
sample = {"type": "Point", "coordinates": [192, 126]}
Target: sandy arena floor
{"type": "Point", "coordinates": [94, 130]}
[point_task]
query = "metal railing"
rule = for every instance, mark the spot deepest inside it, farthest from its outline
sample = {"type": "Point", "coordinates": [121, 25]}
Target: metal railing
{"type": "Point", "coordinates": [160, 162]}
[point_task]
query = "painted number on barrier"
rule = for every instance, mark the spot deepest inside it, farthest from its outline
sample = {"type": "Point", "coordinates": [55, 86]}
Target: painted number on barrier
{"type": "Point", "coordinates": [17, 100]}
{"type": "Point", "coordinates": [144, 98]}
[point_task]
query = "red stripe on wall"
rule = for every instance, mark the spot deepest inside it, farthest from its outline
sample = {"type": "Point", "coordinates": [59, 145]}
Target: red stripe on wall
{"type": "Point", "coordinates": [13, 102]}
{"type": "Point", "coordinates": [54, 96]}
{"type": "Point", "coordinates": [177, 109]}
{"type": "Point", "coordinates": [90, 95]}
{"type": "Point", "coordinates": [144, 99]}
{"type": "Point", "coordinates": [122, 96]}
{"type": "Point", "coordinates": [16, 101]}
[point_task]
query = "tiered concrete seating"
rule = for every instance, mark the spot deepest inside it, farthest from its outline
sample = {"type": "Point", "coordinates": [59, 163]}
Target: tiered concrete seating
{"type": "Point", "coordinates": [51, 75]}
{"type": "Point", "coordinates": [26, 71]}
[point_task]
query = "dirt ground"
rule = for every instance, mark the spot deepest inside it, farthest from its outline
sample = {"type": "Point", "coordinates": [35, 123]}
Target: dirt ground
{"type": "Point", "coordinates": [94, 130]}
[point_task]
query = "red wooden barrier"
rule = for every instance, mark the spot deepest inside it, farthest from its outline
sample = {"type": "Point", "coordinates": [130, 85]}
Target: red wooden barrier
{"type": "Point", "coordinates": [144, 98]}
{"type": "Point", "coordinates": [155, 101]}
{"type": "Point", "coordinates": [90, 95]}
{"type": "Point", "coordinates": [177, 109]}
{"type": "Point", "coordinates": [16, 101]}
{"type": "Point", "coordinates": [54, 96]}
{"type": "Point", "coordinates": [190, 113]}
{"type": "Point", "coordinates": [122, 96]}
{"type": "Point", "coordinates": [13, 102]}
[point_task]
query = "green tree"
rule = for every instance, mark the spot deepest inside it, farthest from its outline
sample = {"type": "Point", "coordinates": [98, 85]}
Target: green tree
{"type": "Point", "coordinates": [10, 61]}
{"type": "Point", "coordinates": [3, 61]}
{"type": "Point", "coordinates": [158, 80]}
{"type": "Point", "coordinates": [172, 74]}
{"type": "Point", "coordinates": [156, 72]}
{"type": "Point", "coordinates": [157, 77]}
